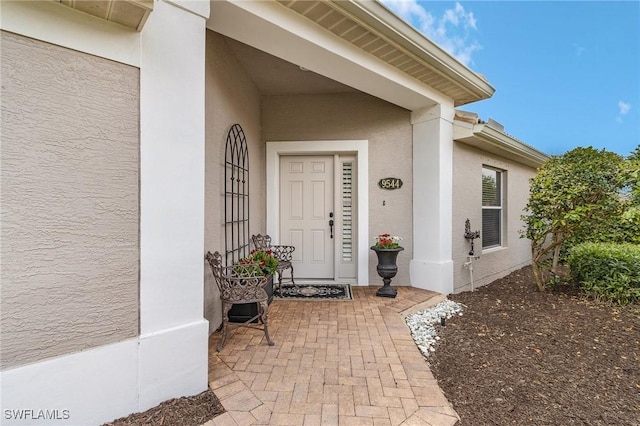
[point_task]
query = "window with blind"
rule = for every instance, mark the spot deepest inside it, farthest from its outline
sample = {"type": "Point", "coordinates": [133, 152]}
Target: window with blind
{"type": "Point", "coordinates": [492, 204]}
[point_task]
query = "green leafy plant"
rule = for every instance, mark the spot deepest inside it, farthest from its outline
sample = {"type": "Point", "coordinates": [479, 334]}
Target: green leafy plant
{"type": "Point", "coordinates": [632, 176]}
{"type": "Point", "coordinates": [608, 271]}
{"type": "Point", "coordinates": [387, 241]}
{"type": "Point", "coordinates": [258, 262]}
{"type": "Point", "coordinates": [570, 195]}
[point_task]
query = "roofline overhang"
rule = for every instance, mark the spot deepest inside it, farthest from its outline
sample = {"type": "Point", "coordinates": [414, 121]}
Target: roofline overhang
{"type": "Point", "coordinates": [425, 75]}
{"type": "Point", "coordinates": [132, 14]}
{"type": "Point", "coordinates": [490, 139]}
{"type": "Point", "coordinates": [378, 17]}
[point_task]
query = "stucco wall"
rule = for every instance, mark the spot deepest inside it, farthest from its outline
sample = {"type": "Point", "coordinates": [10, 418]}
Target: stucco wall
{"type": "Point", "coordinates": [355, 116]}
{"type": "Point", "coordinates": [231, 97]}
{"type": "Point", "coordinates": [70, 201]}
{"type": "Point", "coordinates": [467, 203]}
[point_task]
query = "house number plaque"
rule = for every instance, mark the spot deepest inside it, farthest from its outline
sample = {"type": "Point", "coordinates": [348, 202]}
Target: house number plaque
{"type": "Point", "coordinates": [390, 183]}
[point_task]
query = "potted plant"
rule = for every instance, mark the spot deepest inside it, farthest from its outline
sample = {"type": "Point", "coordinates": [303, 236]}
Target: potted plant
{"type": "Point", "coordinates": [387, 248]}
{"type": "Point", "coordinates": [257, 263]}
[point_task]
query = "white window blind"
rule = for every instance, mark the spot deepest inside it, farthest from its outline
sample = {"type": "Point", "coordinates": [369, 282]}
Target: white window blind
{"type": "Point", "coordinates": [347, 212]}
{"type": "Point", "coordinates": [491, 208]}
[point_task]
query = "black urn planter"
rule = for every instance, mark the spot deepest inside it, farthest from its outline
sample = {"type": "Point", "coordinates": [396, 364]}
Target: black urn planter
{"type": "Point", "coordinates": [387, 268]}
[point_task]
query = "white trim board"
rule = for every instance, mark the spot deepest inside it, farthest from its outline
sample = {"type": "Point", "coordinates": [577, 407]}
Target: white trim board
{"type": "Point", "coordinates": [358, 147]}
{"type": "Point", "coordinates": [100, 384]}
{"type": "Point", "coordinates": [55, 23]}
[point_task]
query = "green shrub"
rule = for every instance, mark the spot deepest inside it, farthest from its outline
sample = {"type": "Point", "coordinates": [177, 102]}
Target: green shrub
{"type": "Point", "coordinates": [608, 271]}
{"type": "Point", "coordinates": [622, 226]}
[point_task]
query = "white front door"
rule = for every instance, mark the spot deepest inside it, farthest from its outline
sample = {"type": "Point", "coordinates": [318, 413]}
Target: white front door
{"type": "Point", "coordinates": [306, 207]}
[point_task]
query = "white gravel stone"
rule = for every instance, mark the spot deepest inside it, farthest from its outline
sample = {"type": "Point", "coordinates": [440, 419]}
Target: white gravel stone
{"type": "Point", "coordinates": [422, 324]}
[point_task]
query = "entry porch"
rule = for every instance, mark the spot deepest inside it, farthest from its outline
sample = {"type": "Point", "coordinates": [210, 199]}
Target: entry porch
{"type": "Point", "coordinates": [334, 362]}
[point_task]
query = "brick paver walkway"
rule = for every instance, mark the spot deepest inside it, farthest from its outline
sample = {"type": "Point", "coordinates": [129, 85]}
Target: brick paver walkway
{"type": "Point", "coordinates": [333, 363]}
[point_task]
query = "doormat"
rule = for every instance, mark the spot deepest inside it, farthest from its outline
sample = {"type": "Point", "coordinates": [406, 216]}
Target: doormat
{"type": "Point", "coordinates": [313, 292]}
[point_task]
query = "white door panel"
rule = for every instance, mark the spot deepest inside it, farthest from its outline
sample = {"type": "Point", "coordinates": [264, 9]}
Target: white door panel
{"type": "Point", "coordinates": [306, 200]}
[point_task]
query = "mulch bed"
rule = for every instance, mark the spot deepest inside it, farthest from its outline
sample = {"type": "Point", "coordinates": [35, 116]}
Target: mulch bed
{"type": "Point", "coordinates": [186, 411]}
{"type": "Point", "coordinates": [521, 357]}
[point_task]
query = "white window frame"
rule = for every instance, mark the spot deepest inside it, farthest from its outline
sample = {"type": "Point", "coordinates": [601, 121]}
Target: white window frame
{"type": "Point", "coordinates": [502, 174]}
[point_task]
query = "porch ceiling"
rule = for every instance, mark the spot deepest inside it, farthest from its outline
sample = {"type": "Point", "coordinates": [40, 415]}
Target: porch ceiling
{"type": "Point", "coordinates": [275, 76]}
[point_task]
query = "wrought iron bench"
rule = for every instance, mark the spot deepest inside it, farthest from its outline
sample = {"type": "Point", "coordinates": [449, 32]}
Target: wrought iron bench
{"type": "Point", "coordinates": [240, 284]}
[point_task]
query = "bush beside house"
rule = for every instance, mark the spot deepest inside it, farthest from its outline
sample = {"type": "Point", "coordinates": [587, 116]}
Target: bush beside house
{"type": "Point", "coordinates": [607, 270]}
{"type": "Point", "coordinates": [586, 196]}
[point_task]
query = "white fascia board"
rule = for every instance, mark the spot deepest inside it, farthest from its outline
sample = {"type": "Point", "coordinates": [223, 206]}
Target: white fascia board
{"type": "Point", "coordinates": [462, 130]}
{"type": "Point", "coordinates": [491, 140]}
{"type": "Point", "coordinates": [55, 23]}
{"type": "Point", "coordinates": [274, 29]}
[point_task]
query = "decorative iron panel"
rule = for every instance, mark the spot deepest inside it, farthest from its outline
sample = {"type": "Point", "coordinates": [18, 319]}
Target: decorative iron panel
{"type": "Point", "coordinates": [236, 196]}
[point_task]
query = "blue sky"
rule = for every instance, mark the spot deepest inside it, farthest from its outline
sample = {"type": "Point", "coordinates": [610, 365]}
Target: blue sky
{"type": "Point", "coordinates": [566, 73]}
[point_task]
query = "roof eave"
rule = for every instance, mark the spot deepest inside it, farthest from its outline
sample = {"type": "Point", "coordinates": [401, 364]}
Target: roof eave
{"type": "Point", "coordinates": [379, 17]}
{"type": "Point", "coordinates": [492, 140]}
{"type": "Point", "coordinates": [128, 13]}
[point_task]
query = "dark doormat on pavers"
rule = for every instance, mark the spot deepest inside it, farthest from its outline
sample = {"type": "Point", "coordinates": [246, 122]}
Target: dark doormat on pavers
{"type": "Point", "coordinates": [313, 291]}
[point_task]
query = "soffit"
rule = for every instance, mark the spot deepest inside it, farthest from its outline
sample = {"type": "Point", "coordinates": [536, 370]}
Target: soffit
{"type": "Point", "coordinates": [377, 31]}
{"type": "Point", "coordinates": [130, 13]}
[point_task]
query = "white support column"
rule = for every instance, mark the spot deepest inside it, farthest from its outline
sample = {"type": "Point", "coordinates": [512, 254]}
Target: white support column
{"type": "Point", "coordinates": [173, 348]}
{"type": "Point", "coordinates": [432, 265]}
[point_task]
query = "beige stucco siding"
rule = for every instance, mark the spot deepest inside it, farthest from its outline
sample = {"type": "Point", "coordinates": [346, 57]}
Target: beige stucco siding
{"type": "Point", "coordinates": [357, 116]}
{"type": "Point", "coordinates": [231, 97]}
{"type": "Point", "coordinates": [467, 203]}
{"type": "Point", "coordinates": [70, 201]}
